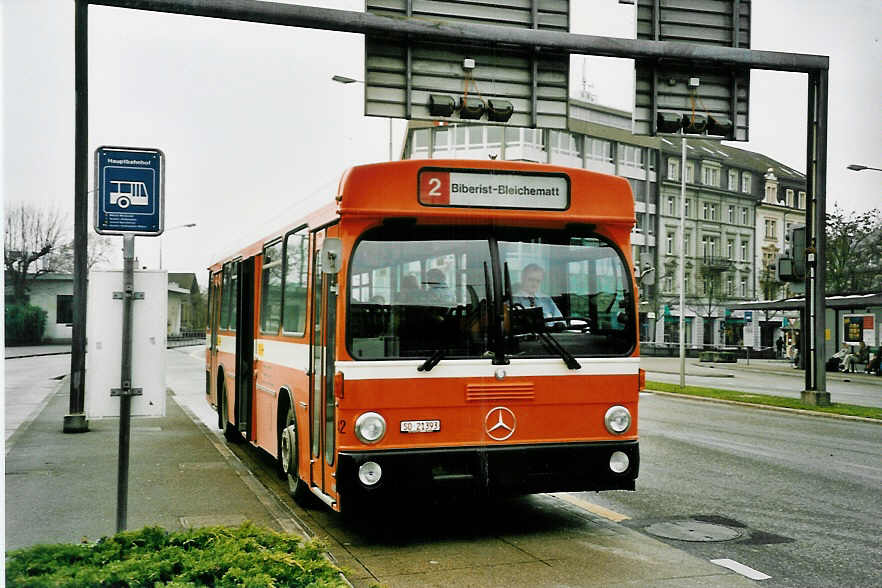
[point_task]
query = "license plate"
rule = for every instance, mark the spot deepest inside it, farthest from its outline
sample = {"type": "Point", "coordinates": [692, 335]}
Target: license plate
{"type": "Point", "coordinates": [420, 426]}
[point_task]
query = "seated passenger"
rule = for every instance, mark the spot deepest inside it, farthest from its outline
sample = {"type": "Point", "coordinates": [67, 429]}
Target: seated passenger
{"type": "Point", "coordinates": [437, 292]}
{"type": "Point", "coordinates": [410, 290]}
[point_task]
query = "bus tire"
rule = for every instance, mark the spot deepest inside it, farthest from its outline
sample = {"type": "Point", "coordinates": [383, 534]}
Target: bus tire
{"type": "Point", "coordinates": [288, 451]}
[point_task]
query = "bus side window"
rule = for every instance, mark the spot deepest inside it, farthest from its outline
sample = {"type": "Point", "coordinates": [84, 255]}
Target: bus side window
{"type": "Point", "coordinates": [295, 276]}
{"type": "Point", "coordinates": [271, 289]}
{"type": "Point", "coordinates": [225, 298]}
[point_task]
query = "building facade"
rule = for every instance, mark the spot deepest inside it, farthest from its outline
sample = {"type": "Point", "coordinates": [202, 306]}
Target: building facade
{"type": "Point", "coordinates": [728, 200]}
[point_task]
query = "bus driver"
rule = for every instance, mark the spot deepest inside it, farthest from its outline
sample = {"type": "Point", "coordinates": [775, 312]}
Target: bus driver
{"type": "Point", "coordinates": [528, 296]}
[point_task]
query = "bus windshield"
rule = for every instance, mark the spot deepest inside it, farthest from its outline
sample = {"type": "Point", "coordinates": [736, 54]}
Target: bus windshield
{"type": "Point", "coordinates": [465, 292]}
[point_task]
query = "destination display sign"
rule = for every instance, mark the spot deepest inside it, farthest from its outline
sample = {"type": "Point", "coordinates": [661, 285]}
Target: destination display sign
{"type": "Point", "coordinates": [493, 189]}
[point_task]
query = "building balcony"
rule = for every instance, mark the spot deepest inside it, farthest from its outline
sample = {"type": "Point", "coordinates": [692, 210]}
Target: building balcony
{"type": "Point", "coordinates": [716, 263]}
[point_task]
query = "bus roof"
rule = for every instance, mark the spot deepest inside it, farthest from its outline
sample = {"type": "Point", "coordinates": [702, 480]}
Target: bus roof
{"type": "Point", "coordinates": [394, 189]}
{"type": "Point", "coordinates": [405, 189]}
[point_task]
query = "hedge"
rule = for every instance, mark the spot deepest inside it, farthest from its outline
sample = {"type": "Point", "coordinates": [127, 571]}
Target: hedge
{"type": "Point", "coordinates": [210, 556]}
{"type": "Point", "coordinates": [24, 324]}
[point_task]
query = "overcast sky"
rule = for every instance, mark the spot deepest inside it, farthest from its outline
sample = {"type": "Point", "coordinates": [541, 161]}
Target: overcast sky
{"type": "Point", "coordinates": [255, 132]}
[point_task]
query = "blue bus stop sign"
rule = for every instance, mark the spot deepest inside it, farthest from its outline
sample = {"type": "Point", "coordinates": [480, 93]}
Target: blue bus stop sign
{"type": "Point", "coordinates": [129, 195]}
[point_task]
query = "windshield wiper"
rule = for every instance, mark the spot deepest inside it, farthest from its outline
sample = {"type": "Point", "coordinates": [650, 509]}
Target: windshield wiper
{"type": "Point", "coordinates": [433, 360]}
{"type": "Point", "coordinates": [554, 345]}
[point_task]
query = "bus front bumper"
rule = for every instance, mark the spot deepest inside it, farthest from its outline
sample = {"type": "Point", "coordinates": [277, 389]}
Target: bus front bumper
{"type": "Point", "coordinates": [491, 470]}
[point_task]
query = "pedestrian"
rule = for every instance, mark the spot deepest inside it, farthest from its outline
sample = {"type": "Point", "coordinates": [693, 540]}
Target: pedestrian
{"type": "Point", "coordinates": [779, 346]}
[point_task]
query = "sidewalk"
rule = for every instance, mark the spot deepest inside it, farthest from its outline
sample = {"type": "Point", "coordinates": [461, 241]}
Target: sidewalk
{"type": "Point", "coordinates": [62, 487]}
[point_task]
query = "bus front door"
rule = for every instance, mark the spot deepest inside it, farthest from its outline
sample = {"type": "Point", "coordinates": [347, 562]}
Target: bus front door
{"type": "Point", "coordinates": [323, 402]}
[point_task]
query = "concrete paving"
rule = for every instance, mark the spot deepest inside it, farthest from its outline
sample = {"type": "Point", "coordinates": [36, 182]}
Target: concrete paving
{"type": "Point", "coordinates": [62, 488]}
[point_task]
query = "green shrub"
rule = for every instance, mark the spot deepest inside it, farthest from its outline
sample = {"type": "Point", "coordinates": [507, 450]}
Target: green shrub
{"type": "Point", "coordinates": [24, 324]}
{"type": "Point", "coordinates": [210, 556]}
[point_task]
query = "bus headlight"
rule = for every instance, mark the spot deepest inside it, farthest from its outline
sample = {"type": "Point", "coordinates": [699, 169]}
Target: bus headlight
{"type": "Point", "coordinates": [369, 473]}
{"type": "Point", "coordinates": [370, 427]}
{"type": "Point", "coordinates": [617, 420]}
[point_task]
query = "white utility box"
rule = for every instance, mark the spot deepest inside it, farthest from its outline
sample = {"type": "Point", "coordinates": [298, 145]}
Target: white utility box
{"type": "Point", "coordinates": [104, 322]}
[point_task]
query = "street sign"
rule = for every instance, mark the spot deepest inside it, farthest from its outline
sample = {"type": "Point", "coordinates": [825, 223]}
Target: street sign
{"type": "Point", "coordinates": [718, 94]}
{"type": "Point", "coordinates": [129, 194]}
{"type": "Point", "coordinates": [407, 77]}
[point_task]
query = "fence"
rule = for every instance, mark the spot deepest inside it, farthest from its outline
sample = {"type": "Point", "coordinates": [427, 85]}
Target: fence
{"type": "Point", "coordinates": [186, 338]}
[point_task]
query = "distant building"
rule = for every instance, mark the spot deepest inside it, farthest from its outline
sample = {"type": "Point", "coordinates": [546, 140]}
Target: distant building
{"type": "Point", "coordinates": [53, 292]}
{"type": "Point", "coordinates": [729, 198]}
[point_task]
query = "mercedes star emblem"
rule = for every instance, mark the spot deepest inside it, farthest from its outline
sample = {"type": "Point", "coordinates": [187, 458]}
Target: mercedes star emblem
{"type": "Point", "coordinates": [500, 423]}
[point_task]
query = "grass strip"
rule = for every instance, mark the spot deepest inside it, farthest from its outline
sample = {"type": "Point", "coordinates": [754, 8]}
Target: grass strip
{"type": "Point", "coordinates": [869, 412]}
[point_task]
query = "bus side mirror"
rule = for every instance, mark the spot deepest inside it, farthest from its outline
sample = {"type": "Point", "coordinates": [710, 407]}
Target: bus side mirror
{"type": "Point", "coordinates": [331, 254]}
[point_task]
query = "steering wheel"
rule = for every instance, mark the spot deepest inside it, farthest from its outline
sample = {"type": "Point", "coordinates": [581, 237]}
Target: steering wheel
{"type": "Point", "coordinates": [583, 327]}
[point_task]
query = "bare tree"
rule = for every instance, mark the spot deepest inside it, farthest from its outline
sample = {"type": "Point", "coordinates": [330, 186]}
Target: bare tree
{"type": "Point", "coordinates": [33, 234]}
{"type": "Point", "coordinates": [854, 251]}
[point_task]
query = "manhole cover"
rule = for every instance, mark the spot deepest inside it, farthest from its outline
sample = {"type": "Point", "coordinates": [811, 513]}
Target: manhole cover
{"type": "Point", "coordinates": [691, 530]}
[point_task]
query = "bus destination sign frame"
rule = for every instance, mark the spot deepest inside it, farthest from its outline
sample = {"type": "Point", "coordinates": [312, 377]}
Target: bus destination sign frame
{"type": "Point", "coordinates": [479, 188]}
{"type": "Point", "coordinates": [130, 191]}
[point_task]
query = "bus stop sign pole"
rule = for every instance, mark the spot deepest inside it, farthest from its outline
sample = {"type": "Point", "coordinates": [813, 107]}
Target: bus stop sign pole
{"type": "Point", "coordinates": [125, 391]}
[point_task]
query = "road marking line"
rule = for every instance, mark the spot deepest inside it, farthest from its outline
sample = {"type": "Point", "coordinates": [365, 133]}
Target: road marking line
{"type": "Point", "coordinates": [593, 508]}
{"type": "Point", "coordinates": [741, 569]}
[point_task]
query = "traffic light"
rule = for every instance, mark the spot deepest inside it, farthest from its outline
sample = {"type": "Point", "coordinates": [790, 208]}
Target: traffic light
{"type": "Point", "coordinates": [791, 265]}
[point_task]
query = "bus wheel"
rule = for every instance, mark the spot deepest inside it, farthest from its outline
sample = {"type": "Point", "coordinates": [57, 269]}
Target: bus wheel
{"type": "Point", "coordinates": [123, 202]}
{"type": "Point", "coordinates": [288, 454]}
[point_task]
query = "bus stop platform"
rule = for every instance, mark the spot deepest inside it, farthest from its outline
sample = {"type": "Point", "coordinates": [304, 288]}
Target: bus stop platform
{"type": "Point", "coordinates": [62, 488]}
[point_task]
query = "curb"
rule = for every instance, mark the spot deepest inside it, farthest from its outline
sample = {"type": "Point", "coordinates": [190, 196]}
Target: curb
{"type": "Point", "coordinates": [673, 373]}
{"type": "Point", "coordinates": [844, 417]}
{"type": "Point", "coordinates": [37, 355]}
{"type": "Point", "coordinates": [284, 516]}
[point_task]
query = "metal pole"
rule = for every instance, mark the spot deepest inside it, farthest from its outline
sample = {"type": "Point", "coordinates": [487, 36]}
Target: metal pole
{"type": "Point", "coordinates": [681, 244]}
{"type": "Point", "coordinates": [125, 400]}
{"type": "Point", "coordinates": [75, 421]}
{"type": "Point", "coordinates": [814, 336]}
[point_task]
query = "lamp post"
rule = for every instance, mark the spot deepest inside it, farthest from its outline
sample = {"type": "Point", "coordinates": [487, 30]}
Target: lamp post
{"type": "Point", "coordinates": [184, 226]}
{"type": "Point", "coordinates": [859, 167]}
{"type": "Point", "coordinates": [346, 80]}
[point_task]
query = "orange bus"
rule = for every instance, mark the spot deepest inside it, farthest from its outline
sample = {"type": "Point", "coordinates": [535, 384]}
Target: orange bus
{"type": "Point", "coordinates": [442, 325]}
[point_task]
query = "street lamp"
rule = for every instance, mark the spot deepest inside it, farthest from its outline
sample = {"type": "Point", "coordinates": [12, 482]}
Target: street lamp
{"type": "Point", "coordinates": [185, 226]}
{"type": "Point", "coordinates": [347, 80]}
{"type": "Point", "coordinates": [858, 167]}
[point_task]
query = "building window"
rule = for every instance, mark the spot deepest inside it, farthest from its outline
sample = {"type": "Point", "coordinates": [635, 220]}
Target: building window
{"type": "Point", "coordinates": [745, 216]}
{"type": "Point", "coordinates": [686, 239]}
{"type": "Point", "coordinates": [710, 175]}
{"type": "Point", "coordinates": [704, 211]}
{"type": "Point", "coordinates": [713, 211]}
{"type": "Point", "coordinates": [731, 216]}
{"type": "Point", "coordinates": [733, 180]}
{"type": "Point", "coordinates": [730, 286]}
{"type": "Point", "coordinates": [420, 142]}
{"type": "Point", "coordinates": [631, 156]}
{"type": "Point", "coordinates": [771, 193]}
{"type": "Point", "coordinates": [771, 228]}
{"type": "Point", "coordinates": [743, 287]}
{"type": "Point", "coordinates": [669, 283]}
{"type": "Point", "coordinates": [669, 244]}
{"type": "Point", "coordinates": [64, 309]}
{"type": "Point", "coordinates": [671, 205]}
{"type": "Point", "coordinates": [730, 249]}
{"type": "Point", "coordinates": [686, 283]}
{"type": "Point", "coordinates": [801, 199]}
{"type": "Point", "coordinates": [673, 169]}
{"type": "Point", "coordinates": [690, 172]}
{"type": "Point", "coordinates": [744, 251]}
{"type": "Point", "coordinates": [563, 142]}
{"type": "Point", "coordinates": [789, 196]}
{"type": "Point", "coordinates": [745, 182]}
{"type": "Point", "coordinates": [686, 211]}
{"type": "Point", "coordinates": [598, 149]}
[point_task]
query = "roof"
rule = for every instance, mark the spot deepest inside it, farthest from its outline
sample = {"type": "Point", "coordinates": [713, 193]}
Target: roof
{"type": "Point", "coordinates": [184, 280]}
{"type": "Point", "coordinates": [732, 156]}
{"type": "Point", "coordinates": [837, 301]}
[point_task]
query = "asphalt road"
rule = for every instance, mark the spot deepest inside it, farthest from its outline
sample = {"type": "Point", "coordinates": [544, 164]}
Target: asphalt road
{"type": "Point", "coordinates": [780, 380]}
{"type": "Point", "coordinates": [803, 491]}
